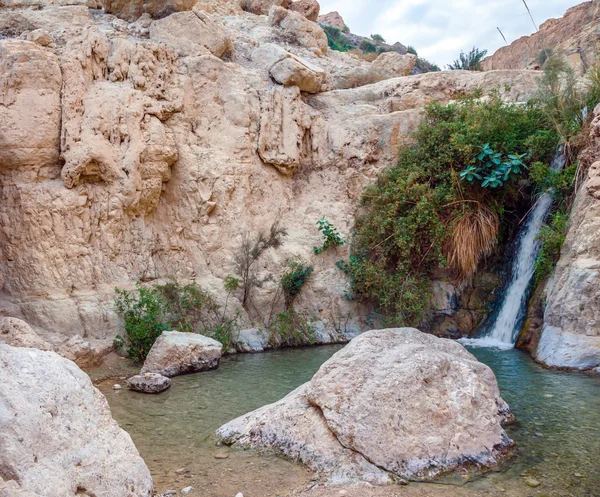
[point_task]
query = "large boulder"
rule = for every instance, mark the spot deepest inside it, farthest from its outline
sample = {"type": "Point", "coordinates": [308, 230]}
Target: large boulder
{"type": "Point", "coordinates": [298, 29]}
{"type": "Point", "coordinates": [18, 333]}
{"type": "Point", "coordinates": [57, 436]}
{"type": "Point", "coordinates": [394, 403]}
{"type": "Point", "coordinates": [308, 8]}
{"type": "Point", "coordinates": [191, 33]}
{"type": "Point", "coordinates": [262, 7]}
{"type": "Point", "coordinates": [130, 10]}
{"type": "Point", "coordinates": [149, 383]}
{"type": "Point", "coordinates": [294, 71]}
{"type": "Point", "coordinates": [176, 353]}
{"type": "Point", "coordinates": [395, 64]}
{"type": "Point", "coordinates": [332, 19]}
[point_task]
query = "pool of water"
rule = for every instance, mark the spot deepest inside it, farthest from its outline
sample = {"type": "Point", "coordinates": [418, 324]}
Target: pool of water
{"type": "Point", "coordinates": [558, 427]}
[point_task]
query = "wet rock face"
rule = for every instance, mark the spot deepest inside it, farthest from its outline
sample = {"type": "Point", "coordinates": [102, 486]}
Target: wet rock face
{"type": "Point", "coordinates": [393, 403]}
{"type": "Point", "coordinates": [57, 436]}
{"type": "Point", "coordinates": [571, 332]}
{"type": "Point", "coordinates": [176, 353]}
{"type": "Point", "coordinates": [149, 383]}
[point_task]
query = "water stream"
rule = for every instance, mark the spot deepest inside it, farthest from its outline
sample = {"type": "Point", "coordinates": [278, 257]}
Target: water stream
{"type": "Point", "coordinates": [558, 429]}
{"type": "Point", "coordinates": [504, 332]}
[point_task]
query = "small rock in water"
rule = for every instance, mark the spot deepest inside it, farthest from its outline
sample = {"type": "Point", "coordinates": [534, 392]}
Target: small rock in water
{"type": "Point", "coordinates": [117, 387]}
{"type": "Point", "coordinates": [532, 482]}
{"type": "Point", "coordinates": [186, 490]}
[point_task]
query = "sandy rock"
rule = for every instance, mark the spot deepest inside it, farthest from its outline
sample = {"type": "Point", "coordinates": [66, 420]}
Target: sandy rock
{"type": "Point", "coordinates": [149, 383]}
{"type": "Point", "coordinates": [308, 8]}
{"type": "Point", "coordinates": [130, 10]}
{"type": "Point", "coordinates": [191, 33]}
{"type": "Point", "coordinates": [262, 7]}
{"type": "Point", "coordinates": [176, 353]}
{"type": "Point", "coordinates": [332, 19]}
{"type": "Point", "coordinates": [252, 340]}
{"type": "Point", "coordinates": [18, 333]}
{"type": "Point", "coordinates": [86, 353]}
{"type": "Point", "coordinates": [40, 36]}
{"type": "Point", "coordinates": [57, 436]}
{"type": "Point", "coordinates": [298, 29]}
{"type": "Point", "coordinates": [394, 64]}
{"type": "Point", "coordinates": [293, 71]}
{"type": "Point", "coordinates": [344, 423]}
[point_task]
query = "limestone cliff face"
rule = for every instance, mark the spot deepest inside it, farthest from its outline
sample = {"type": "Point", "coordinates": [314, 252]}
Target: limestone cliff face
{"type": "Point", "coordinates": [143, 151]}
{"type": "Point", "coordinates": [571, 333]}
{"type": "Point", "coordinates": [575, 35]}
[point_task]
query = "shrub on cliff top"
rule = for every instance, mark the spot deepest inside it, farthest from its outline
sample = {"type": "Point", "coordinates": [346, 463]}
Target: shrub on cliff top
{"type": "Point", "coordinates": [420, 217]}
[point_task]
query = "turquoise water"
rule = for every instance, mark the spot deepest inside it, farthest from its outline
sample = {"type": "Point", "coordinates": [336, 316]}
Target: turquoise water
{"type": "Point", "coordinates": [558, 427]}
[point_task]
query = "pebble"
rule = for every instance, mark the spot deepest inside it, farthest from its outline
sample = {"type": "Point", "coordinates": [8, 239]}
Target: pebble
{"type": "Point", "coordinates": [180, 471]}
{"type": "Point", "coordinates": [532, 482]}
{"type": "Point", "coordinates": [186, 490]}
{"type": "Point", "coordinates": [170, 492]}
{"type": "Point", "coordinates": [221, 455]}
{"type": "Point", "coordinates": [578, 475]}
{"type": "Point", "coordinates": [117, 387]}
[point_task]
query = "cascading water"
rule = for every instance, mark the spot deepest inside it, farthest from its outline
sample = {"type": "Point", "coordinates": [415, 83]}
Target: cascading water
{"type": "Point", "coordinates": [512, 308]}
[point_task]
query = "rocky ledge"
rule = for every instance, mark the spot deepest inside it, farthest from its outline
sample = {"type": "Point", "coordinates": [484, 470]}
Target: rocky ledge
{"type": "Point", "coordinates": [393, 404]}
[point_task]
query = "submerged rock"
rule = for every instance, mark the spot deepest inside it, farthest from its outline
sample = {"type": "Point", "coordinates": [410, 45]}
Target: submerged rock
{"type": "Point", "coordinates": [57, 436]}
{"type": "Point", "coordinates": [176, 353]}
{"type": "Point", "coordinates": [149, 383]}
{"type": "Point", "coordinates": [392, 404]}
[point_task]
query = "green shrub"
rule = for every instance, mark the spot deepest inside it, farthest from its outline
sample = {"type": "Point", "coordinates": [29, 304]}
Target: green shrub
{"type": "Point", "coordinates": [420, 218]}
{"type": "Point", "coordinates": [424, 66]}
{"type": "Point", "coordinates": [378, 38]}
{"type": "Point", "coordinates": [294, 279]}
{"type": "Point", "coordinates": [411, 49]}
{"type": "Point", "coordinates": [492, 169]}
{"type": "Point", "coordinates": [143, 314]}
{"type": "Point", "coordinates": [470, 61]}
{"type": "Point", "coordinates": [336, 39]}
{"type": "Point", "coordinates": [331, 236]}
{"type": "Point", "coordinates": [367, 46]}
{"type": "Point", "coordinates": [543, 56]}
{"type": "Point", "coordinates": [291, 329]}
{"type": "Point", "coordinates": [552, 237]}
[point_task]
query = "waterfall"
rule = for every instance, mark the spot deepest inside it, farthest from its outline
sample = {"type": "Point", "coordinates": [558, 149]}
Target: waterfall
{"type": "Point", "coordinates": [503, 333]}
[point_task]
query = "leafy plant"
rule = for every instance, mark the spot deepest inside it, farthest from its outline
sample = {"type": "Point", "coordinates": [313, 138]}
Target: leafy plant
{"type": "Point", "coordinates": [294, 279]}
{"type": "Point", "coordinates": [492, 170]}
{"type": "Point", "coordinates": [378, 38]}
{"type": "Point", "coordinates": [336, 40]}
{"type": "Point", "coordinates": [331, 236]}
{"type": "Point", "coordinates": [470, 61]}
{"type": "Point", "coordinates": [552, 237]}
{"type": "Point", "coordinates": [291, 329]}
{"type": "Point", "coordinates": [411, 49]}
{"type": "Point", "coordinates": [543, 56]}
{"type": "Point", "coordinates": [367, 46]}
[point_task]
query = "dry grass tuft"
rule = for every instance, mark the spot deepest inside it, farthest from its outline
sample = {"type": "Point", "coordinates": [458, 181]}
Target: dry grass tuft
{"type": "Point", "coordinates": [474, 236]}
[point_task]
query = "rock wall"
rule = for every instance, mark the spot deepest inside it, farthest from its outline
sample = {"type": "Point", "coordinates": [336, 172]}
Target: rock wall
{"type": "Point", "coordinates": [145, 150]}
{"type": "Point", "coordinates": [570, 336]}
{"type": "Point", "coordinates": [575, 35]}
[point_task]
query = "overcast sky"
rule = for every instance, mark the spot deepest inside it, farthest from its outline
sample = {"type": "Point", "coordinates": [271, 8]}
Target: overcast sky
{"type": "Point", "coordinates": [440, 29]}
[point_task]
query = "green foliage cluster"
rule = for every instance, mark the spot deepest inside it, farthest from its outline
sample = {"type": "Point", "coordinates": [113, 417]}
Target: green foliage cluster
{"type": "Point", "coordinates": [470, 61]}
{"type": "Point", "coordinates": [410, 213]}
{"type": "Point", "coordinates": [331, 236]}
{"type": "Point", "coordinates": [336, 39]}
{"type": "Point", "coordinates": [148, 311]}
{"type": "Point", "coordinates": [378, 38]}
{"type": "Point", "coordinates": [291, 329]}
{"type": "Point", "coordinates": [294, 279]}
{"type": "Point", "coordinates": [492, 169]}
{"type": "Point", "coordinates": [423, 65]}
{"type": "Point", "coordinates": [367, 46]}
{"type": "Point", "coordinates": [412, 50]}
{"type": "Point", "coordinates": [552, 237]}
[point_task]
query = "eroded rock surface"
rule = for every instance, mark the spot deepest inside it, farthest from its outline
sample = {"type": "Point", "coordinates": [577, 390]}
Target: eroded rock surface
{"type": "Point", "coordinates": [18, 333]}
{"type": "Point", "coordinates": [394, 403]}
{"type": "Point", "coordinates": [131, 10]}
{"type": "Point", "coordinates": [57, 436]}
{"type": "Point", "coordinates": [176, 353]}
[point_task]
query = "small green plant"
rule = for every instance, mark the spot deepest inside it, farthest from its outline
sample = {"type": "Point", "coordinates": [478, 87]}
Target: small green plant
{"type": "Point", "coordinates": [336, 40]}
{"type": "Point", "coordinates": [294, 279]}
{"type": "Point", "coordinates": [378, 38]}
{"type": "Point", "coordinates": [543, 56]}
{"type": "Point", "coordinates": [331, 236]}
{"type": "Point", "coordinates": [291, 329]}
{"type": "Point", "coordinates": [412, 50]}
{"type": "Point", "coordinates": [470, 61]}
{"type": "Point", "coordinates": [345, 29]}
{"type": "Point", "coordinates": [492, 170]}
{"type": "Point", "coordinates": [143, 315]}
{"type": "Point", "coordinates": [367, 46]}
{"type": "Point", "coordinates": [552, 238]}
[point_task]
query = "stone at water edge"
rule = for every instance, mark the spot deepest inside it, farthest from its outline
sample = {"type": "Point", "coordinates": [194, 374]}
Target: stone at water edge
{"type": "Point", "coordinates": [176, 353]}
{"type": "Point", "coordinates": [149, 383]}
{"type": "Point", "coordinates": [57, 436]}
{"type": "Point", "coordinates": [392, 404]}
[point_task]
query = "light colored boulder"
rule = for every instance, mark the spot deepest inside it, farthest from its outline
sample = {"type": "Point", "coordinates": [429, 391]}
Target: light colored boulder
{"type": "Point", "coordinates": [298, 29]}
{"type": "Point", "coordinates": [332, 19]}
{"type": "Point", "coordinates": [262, 7]}
{"type": "Point", "coordinates": [394, 64]}
{"type": "Point", "coordinates": [130, 10]}
{"type": "Point", "coordinates": [40, 36]}
{"type": "Point", "coordinates": [308, 8]}
{"type": "Point", "coordinates": [57, 436]}
{"type": "Point", "coordinates": [294, 71]}
{"type": "Point", "coordinates": [18, 333]}
{"type": "Point", "coordinates": [176, 353]}
{"type": "Point", "coordinates": [149, 383]}
{"type": "Point", "coordinates": [252, 340]}
{"type": "Point", "coordinates": [191, 33]}
{"type": "Point", "coordinates": [86, 353]}
{"type": "Point", "coordinates": [393, 403]}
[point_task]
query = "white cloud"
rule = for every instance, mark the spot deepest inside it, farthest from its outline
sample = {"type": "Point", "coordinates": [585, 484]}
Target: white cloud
{"type": "Point", "coordinates": [440, 29]}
